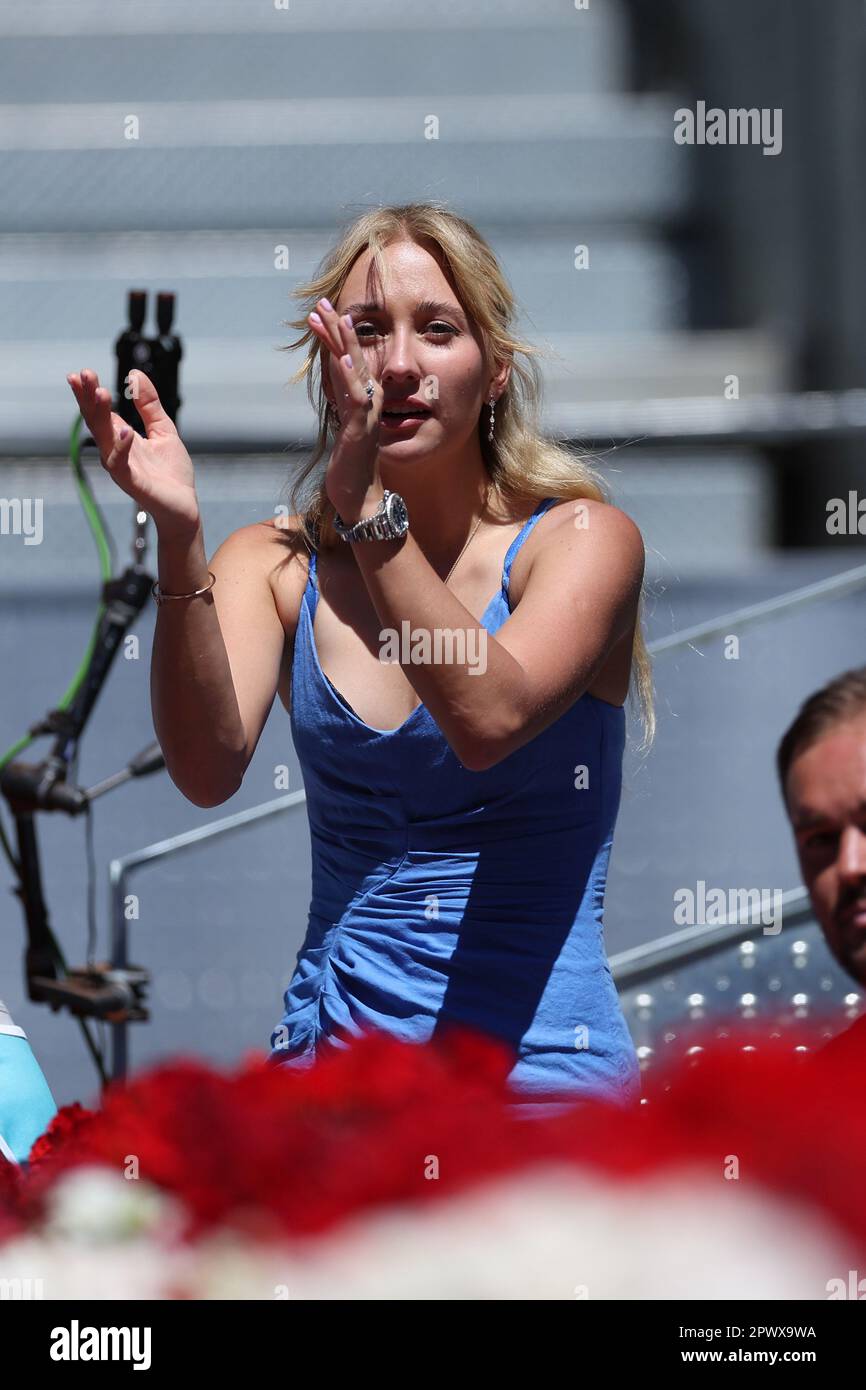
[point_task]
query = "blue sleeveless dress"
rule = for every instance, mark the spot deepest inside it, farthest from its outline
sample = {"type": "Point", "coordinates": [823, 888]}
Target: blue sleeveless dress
{"type": "Point", "coordinates": [445, 896]}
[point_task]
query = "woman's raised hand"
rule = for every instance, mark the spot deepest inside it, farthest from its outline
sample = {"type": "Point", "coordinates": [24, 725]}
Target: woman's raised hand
{"type": "Point", "coordinates": [352, 467]}
{"type": "Point", "coordinates": [156, 472]}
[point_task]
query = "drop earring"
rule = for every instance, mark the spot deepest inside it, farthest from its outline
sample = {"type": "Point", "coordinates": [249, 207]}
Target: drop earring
{"type": "Point", "coordinates": [492, 413]}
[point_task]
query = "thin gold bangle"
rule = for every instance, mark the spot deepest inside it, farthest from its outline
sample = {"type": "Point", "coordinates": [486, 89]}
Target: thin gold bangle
{"type": "Point", "coordinates": [161, 597]}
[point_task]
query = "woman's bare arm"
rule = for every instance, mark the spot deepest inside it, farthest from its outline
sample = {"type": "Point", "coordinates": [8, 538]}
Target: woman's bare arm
{"type": "Point", "coordinates": [579, 600]}
{"type": "Point", "coordinates": [216, 660]}
{"type": "Point", "coordinates": [217, 657]}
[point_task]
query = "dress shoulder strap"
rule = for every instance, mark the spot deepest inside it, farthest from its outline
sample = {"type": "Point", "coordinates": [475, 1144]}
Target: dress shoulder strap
{"type": "Point", "coordinates": [515, 545]}
{"type": "Point", "coordinates": [311, 592]}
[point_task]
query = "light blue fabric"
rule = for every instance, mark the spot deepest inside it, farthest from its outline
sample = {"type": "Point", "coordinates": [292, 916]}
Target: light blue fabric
{"type": "Point", "coordinates": [445, 896]}
{"type": "Point", "coordinates": [26, 1104]}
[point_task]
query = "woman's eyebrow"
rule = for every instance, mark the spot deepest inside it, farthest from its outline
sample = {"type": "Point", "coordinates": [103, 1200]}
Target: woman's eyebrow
{"type": "Point", "coordinates": [427, 306]}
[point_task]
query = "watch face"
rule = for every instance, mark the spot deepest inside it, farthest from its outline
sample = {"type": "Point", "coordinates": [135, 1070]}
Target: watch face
{"type": "Point", "coordinates": [398, 515]}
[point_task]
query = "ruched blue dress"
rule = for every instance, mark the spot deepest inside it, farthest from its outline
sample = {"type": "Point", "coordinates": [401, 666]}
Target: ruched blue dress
{"type": "Point", "coordinates": [445, 896]}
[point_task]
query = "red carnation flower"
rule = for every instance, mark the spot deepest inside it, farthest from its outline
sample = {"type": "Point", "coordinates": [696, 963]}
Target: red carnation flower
{"type": "Point", "coordinates": [376, 1121]}
{"type": "Point", "coordinates": [65, 1128]}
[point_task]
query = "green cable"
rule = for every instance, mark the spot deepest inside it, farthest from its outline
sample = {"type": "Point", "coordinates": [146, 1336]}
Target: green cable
{"type": "Point", "coordinates": [105, 551]}
{"type": "Point", "coordinates": [88, 501]}
{"type": "Point", "coordinates": [100, 533]}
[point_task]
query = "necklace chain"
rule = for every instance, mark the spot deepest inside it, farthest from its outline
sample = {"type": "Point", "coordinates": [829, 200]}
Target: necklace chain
{"type": "Point", "coordinates": [469, 538]}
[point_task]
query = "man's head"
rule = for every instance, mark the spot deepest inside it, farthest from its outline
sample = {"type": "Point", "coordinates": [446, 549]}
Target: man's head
{"type": "Point", "coordinates": [821, 763]}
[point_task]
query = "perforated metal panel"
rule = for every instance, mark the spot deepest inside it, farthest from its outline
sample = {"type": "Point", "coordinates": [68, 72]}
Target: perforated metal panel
{"type": "Point", "coordinates": [765, 989]}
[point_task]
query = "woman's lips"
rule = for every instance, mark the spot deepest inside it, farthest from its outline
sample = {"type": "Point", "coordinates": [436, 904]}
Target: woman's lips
{"type": "Point", "coordinates": [402, 424]}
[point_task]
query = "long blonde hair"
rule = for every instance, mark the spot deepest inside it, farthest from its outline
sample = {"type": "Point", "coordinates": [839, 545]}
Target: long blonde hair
{"type": "Point", "coordinates": [523, 464]}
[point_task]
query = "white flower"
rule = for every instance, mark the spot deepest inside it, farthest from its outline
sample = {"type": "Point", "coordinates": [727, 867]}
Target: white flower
{"type": "Point", "coordinates": [556, 1233]}
{"type": "Point", "coordinates": [552, 1232]}
{"type": "Point", "coordinates": [41, 1267]}
{"type": "Point", "coordinates": [95, 1204]}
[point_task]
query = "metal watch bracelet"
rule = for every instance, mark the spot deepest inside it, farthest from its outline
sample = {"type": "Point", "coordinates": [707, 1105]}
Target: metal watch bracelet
{"type": "Point", "coordinates": [389, 522]}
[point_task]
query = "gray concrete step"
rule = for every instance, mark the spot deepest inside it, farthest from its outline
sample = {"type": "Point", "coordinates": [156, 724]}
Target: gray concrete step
{"type": "Point", "coordinates": [553, 52]}
{"type": "Point", "coordinates": [304, 163]}
{"type": "Point", "coordinates": [602, 20]}
{"type": "Point", "coordinates": [226, 283]}
{"type": "Point", "coordinates": [235, 394]}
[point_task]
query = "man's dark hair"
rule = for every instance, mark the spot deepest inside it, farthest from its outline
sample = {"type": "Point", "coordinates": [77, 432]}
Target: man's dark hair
{"type": "Point", "coordinates": [842, 699]}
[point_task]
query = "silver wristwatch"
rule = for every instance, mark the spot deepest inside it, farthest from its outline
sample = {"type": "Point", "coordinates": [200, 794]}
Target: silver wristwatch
{"type": "Point", "coordinates": [387, 524]}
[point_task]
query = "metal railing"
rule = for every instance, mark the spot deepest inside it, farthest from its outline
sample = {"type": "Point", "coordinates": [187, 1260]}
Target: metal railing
{"type": "Point", "coordinates": [119, 871]}
{"type": "Point", "coordinates": [768, 420]}
{"type": "Point", "coordinates": [681, 948]}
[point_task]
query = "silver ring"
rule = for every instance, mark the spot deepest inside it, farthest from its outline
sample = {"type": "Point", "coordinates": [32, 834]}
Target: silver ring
{"type": "Point", "coordinates": [370, 388]}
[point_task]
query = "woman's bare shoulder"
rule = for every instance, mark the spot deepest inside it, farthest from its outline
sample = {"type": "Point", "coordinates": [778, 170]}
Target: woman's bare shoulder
{"type": "Point", "coordinates": [613, 533]}
{"type": "Point", "coordinates": [579, 512]}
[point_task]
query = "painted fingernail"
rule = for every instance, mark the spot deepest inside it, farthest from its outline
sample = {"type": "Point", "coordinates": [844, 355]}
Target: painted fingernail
{"type": "Point", "coordinates": [315, 318]}
{"type": "Point", "coordinates": [124, 432]}
{"type": "Point", "coordinates": [347, 320]}
{"type": "Point", "coordinates": [326, 304]}
{"type": "Point", "coordinates": [347, 361]}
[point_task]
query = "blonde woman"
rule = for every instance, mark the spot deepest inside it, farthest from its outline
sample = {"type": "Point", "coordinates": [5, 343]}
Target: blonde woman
{"type": "Point", "coordinates": [451, 615]}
